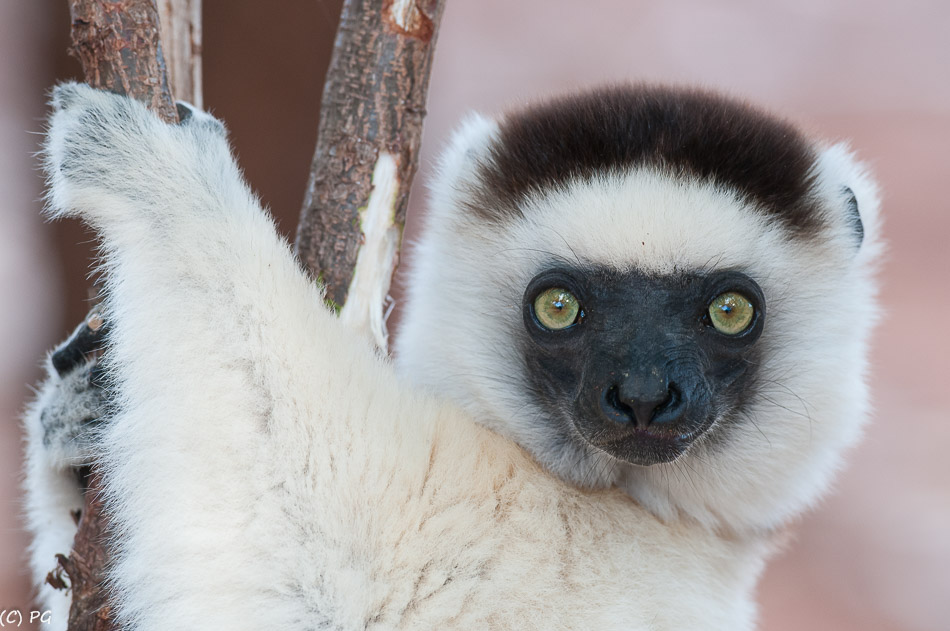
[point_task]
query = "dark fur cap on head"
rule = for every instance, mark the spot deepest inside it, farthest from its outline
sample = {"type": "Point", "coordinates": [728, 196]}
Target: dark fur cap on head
{"type": "Point", "coordinates": [690, 132]}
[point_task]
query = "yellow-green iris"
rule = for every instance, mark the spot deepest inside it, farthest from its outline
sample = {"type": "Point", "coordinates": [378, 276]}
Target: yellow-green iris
{"type": "Point", "coordinates": [731, 313]}
{"type": "Point", "coordinates": [556, 308]}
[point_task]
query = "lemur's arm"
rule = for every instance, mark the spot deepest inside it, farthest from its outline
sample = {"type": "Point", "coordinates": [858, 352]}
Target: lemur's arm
{"type": "Point", "coordinates": [240, 400]}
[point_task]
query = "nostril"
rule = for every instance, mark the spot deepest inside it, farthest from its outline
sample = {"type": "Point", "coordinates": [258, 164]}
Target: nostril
{"type": "Point", "coordinates": [671, 403]}
{"type": "Point", "coordinates": [613, 399]}
{"type": "Point", "coordinates": [672, 398]}
{"type": "Point", "coordinates": [620, 411]}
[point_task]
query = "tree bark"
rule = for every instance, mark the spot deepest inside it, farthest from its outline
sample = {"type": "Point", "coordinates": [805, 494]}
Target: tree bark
{"type": "Point", "coordinates": [119, 45]}
{"type": "Point", "coordinates": [369, 136]}
{"type": "Point", "coordinates": [181, 41]}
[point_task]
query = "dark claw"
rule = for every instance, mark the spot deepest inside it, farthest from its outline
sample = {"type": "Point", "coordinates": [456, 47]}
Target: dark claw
{"type": "Point", "coordinates": [187, 116]}
{"type": "Point", "coordinates": [84, 342]}
{"type": "Point", "coordinates": [184, 111]}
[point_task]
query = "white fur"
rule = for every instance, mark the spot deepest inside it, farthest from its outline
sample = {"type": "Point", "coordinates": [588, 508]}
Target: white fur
{"type": "Point", "coordinates": [266, 469]}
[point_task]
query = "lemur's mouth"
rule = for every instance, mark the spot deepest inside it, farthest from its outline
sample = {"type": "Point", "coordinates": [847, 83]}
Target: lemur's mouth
{"type": "Point", "coordinates": [644, 446]}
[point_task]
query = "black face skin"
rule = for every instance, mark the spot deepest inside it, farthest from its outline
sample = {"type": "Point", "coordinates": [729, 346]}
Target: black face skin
{"type": "Point", "coordinates": [642, 373]}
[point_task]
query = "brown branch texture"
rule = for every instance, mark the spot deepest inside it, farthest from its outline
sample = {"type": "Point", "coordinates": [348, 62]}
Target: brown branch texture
{"type": "Point", "coordinates": [373, 102]}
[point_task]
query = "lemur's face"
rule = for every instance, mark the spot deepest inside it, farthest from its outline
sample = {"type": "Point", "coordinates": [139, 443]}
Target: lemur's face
{"type": "Point", "coordinates": [640, 366]}
{"type": "Point", "coordinates": [662, 290]}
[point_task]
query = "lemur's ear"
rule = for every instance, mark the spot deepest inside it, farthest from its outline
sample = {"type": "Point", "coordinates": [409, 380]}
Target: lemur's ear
{"type": "Point", "coordinates": [458, 170]}
{"type": "Point", "coordinates": [850, 192]}
{"type": "Point", "coordinates": [469, 147]}
{"type": "Point", "coordinates": [854, 214]}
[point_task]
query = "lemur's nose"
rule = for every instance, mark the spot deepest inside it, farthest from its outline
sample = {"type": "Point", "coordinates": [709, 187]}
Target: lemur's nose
{"type": "Point", "coordinates": [643, 401]}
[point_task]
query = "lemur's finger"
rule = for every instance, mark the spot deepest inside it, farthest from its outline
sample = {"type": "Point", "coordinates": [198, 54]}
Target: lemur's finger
{"type": "Point", "coordinates": [86, 339]}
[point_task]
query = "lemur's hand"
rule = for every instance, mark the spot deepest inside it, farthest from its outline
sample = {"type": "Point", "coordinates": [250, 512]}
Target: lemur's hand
{"type": "Point", "coordinates": [75, 397]}
{"type": "Point", "coordinates": [105, 152]}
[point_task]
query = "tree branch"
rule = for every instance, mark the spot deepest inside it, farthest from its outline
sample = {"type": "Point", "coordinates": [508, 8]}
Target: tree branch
{"type": "Point", "coordinates": [181, 42]}
{"type": "Point", "coordinates": [119, 47]}
{"type": "Point", "coordinates": [367, 152]}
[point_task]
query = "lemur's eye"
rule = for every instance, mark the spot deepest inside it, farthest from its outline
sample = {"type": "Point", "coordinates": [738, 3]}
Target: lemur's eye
{"type": "Point", "coordinates": [557, 308]}
{"type": "Point", "coordinates": [731, 313]}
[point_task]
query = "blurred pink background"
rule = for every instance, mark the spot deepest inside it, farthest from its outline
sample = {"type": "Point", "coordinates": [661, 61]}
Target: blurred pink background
{"type": "Point", "coordinates": [876, 555]}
